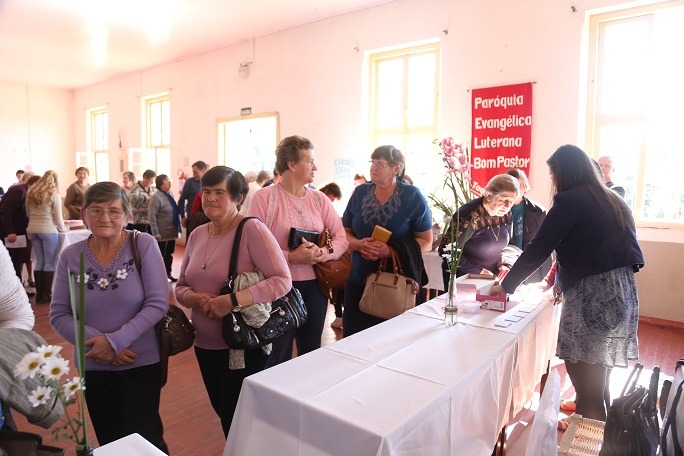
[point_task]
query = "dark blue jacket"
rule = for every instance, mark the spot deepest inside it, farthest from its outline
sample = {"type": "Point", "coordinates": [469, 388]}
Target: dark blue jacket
{"type": "Point", "coordinates": [586, 237]}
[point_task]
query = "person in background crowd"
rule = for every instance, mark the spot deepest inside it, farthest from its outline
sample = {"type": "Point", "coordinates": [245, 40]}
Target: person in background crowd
{"type": "Point", "coordinates": [164, 219]}
{"type": "Point", "coordinates": [122, 307]}
{"type": "Point", "coordinates": [203, 273]}
{"type": "Point", "coordinates": [359, 179]}
{"type": "Point", "coordinates": [15, 343]}
{"type": "Point", "coordinates": [333, 192]}
{"type": "Point", "coordinates": [13, 223]}
{"type": "Point", "coordinates": [484, 229]}
{"type": "Point", "coordinates": [389, 202]}
{"type": "Point", "coordinates": [592, 231]}
{"type": "Point", "coordinates": [15, 309]}
{"type": "Point", "coordinates": [291, 204]}
{"type": "Point", "coordinates": [527, 215]}
{"type": "Point", "coordinates": [128, 181]}
{"type": "Point", "coordinates": [190, 189]}
{"type": "Point", "coordinates": [2, 192]}
{"type": "Point", "coordinates": [140, 196]}
{"type": "Point", "coordinates": [20, 176]}
{"type": "Point", "coordinates": [263, 177]}
{"type": "Point", "coordinates": [253, 186]}
{"type": "Point", "coordinates": [275, 179]}
{"type": "Point", "coordinates": [44, 211]}
{"type": "Point", "coordinates": [75, 192]}
{"type": "Point", "coordinates": [607, 169]}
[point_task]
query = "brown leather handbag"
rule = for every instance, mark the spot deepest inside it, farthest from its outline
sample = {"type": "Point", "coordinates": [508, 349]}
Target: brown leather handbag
{"type": "Point", "coordinates": [332, 273]}
{"type": "Point", "coordinates": [388, 293]}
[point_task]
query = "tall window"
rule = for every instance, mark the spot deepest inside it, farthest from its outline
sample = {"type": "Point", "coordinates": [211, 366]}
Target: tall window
{"type": "Point", "coordinates": [635, 104]}
{"type": "Point", "coordinates": [99, 143]}
{"type": "Point", "coordinates": [248, 143]}
{"type": "Point", "coordinates": [404, 107]}
{"type": "Point", "coordinates": [157, 138]}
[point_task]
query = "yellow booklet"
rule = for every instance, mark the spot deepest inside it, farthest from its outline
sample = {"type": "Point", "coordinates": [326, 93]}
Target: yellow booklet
{"type": "Point", "coordinates": [381, 234]}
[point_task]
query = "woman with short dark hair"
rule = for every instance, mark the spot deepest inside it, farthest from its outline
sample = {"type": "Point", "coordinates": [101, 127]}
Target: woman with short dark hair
{"type": "Point", "coordinates": [389, 202]}
{"type": "Point", "coordinates": [122, 307]}
{"type": "Point", "coordinates": [203, 274]}
{"type": "Point", "coordinates": [592, 231]}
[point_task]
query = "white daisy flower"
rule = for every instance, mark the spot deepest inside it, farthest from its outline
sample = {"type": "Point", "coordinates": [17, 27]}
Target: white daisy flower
{"type": "Point", "coordinates": [121, 274]}
{"type": "Point", "coordinates": [28, 366]}
{"type": "Point", "coordinates": [40, 396]}
{"type": "Point", "coordinates": [54, 368]}
{"type": "Point", "coordinates": [103, 283]}
{"type": "Point", "coordinates": [48, 351]}
{"type": "Point", "coordinates": [86, 277]}
{"type": "Point", "coordinates": [72, 386]}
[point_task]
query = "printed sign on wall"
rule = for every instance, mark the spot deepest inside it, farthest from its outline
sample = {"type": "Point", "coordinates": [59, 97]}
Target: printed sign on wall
{"type": "Point", "coordinates": [501, 131]}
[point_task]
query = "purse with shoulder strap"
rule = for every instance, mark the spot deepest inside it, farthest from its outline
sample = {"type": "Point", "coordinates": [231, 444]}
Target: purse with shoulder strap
{"type": "Point", "coordinates": [388, 293]}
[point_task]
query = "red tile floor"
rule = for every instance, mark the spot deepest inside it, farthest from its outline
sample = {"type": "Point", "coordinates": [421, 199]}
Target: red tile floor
{"type": "Point", "coordinates": [192, 428]}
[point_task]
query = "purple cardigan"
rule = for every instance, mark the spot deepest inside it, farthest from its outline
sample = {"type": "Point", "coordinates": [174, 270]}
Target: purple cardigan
{"type": "Point", "coordinates": [118, 306]}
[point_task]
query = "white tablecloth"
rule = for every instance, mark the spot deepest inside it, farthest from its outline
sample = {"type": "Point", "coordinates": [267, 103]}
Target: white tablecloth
{"type": "Point", "coordinates": [131, 445]}
{"type": "Point", "coordinates": [410, 385]}
{"type": "Point", "coordinates": [71, 237]}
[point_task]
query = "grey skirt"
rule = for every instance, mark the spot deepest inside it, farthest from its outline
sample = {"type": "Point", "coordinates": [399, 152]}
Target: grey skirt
{"type": "Point", "coordinates": [599, 320]}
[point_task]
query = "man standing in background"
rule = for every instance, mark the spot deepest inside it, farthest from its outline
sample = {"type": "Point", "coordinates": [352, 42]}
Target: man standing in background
{"type": "Point", "coordinates": [190, 189]}
{"type": "Point", "coordinates": [606, 164]}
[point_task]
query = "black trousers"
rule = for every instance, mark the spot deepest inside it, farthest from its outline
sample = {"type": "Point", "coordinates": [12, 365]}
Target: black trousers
{"type": "Point", "coordinates": [166, 248]}
{"type": "Point", "coordinates": [126, 401]}
{"type": "Point", "coordinates": [223, 385]}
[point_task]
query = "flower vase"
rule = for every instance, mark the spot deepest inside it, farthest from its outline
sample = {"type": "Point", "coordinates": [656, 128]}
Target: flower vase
{"type": "Point", "coordinates": [451, 306]}
{"type": "Point", "coordinates": [84, 450]}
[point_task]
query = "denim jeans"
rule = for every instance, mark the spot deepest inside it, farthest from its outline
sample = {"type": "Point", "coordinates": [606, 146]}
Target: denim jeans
{"type": "Point", "coordinates": [45, 246]}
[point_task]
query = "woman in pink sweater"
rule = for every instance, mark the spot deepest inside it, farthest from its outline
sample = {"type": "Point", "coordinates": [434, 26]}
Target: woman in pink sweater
{"type": "Point", "coordinates": [203, 273]}
{"type": "Point", "coordinates": [292, 204]}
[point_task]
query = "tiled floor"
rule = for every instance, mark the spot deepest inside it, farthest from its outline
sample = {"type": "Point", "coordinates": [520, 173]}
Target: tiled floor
{"type": "Point", "coordinates": [192, 428]}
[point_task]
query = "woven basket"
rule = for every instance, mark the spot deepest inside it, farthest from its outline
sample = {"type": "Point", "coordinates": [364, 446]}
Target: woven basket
{"type": "Point", "coordinates": [582, 438]}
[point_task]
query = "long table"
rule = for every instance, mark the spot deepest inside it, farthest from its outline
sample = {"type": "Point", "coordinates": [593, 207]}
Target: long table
{"type": "Point", "coordinates": [411, 385]}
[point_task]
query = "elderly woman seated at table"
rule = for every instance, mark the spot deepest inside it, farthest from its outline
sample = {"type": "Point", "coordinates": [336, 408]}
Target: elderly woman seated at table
{"type": "Point", "coordinates": [483, 229]}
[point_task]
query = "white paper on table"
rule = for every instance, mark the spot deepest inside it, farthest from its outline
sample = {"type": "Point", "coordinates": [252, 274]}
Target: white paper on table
{"type": "Point", "coordinates": [20, 243]}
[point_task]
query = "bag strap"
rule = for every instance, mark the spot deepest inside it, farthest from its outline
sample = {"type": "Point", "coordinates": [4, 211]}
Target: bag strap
{"type": "Point", "coordinates": [234, 253]}
{"type": "Point", "coordinates": [636, 372]}
{"type": "Point", "coordinates": [136, 253]}
{"type": "Point", "coordinates": [653, 385]}
{"type": "Point", "coordinates": [671, 425]}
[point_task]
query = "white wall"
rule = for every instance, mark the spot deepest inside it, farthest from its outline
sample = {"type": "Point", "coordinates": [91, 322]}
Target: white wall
{"type": "Point", "coordinates": [314, 76]}
{"type": "Point", "coordinates": [36, 130]}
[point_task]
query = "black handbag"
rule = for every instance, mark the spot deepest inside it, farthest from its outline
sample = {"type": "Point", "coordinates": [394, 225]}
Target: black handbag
{"type": "Point", "coordinates": [174, 331]}
{"type": "Point", "coordinates": [670, 444]}
{"type": "Point", "coordinates": [632, 423]}
{"type": "Point", "coordinates": [287, 313]}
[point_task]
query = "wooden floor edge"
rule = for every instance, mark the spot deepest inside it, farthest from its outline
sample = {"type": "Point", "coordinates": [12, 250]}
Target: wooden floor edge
{"type": "Point", "coordinates": [661, 323]}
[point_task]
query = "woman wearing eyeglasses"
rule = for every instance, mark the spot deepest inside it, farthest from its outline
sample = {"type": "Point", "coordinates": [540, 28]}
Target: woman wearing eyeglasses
{"type": "Point", "coordinates": [391, 203]}
{"type": "Point", "coordinates": [122, 307]}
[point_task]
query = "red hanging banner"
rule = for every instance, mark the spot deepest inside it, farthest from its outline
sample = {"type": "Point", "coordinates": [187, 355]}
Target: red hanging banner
{"type": "Point", "coordinates": [501, 131]}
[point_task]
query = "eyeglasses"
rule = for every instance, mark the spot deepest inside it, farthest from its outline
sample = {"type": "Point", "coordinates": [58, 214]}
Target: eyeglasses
{"type": "Point", "coordinates": [96, 212]}
{"type": "Point", "coordinates": [379, 164]}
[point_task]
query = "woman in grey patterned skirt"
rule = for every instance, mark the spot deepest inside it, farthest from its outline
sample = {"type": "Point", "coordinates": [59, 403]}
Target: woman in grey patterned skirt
{"type": "Point", "coordinates": [592, 231]}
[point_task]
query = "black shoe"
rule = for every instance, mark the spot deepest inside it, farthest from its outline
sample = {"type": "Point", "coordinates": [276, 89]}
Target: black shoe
{"type": "Point", "coordinates": [172, 278]}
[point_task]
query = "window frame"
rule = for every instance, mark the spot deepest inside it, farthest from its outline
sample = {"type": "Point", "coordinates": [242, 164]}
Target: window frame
{"type": "Point", "coordinates": [405, 131]}
{"type": "Point", "coordinates": [595, 120]}
{"type": "Point", "coordinates": [97, 156]}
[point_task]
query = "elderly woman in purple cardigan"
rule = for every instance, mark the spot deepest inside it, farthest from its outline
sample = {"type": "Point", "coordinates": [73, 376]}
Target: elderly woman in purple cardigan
{"type": "Point", "coordinates": [122, 307]}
